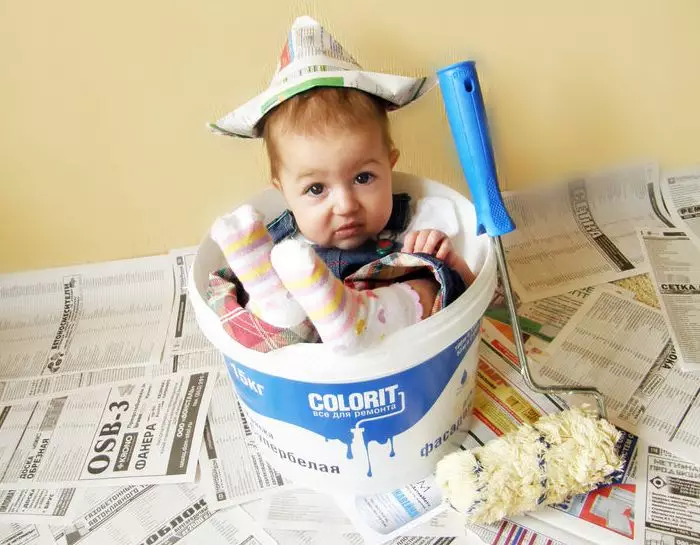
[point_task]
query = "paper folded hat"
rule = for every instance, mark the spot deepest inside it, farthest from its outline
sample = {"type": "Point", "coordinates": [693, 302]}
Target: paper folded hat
{"type": "Point", "coordinates": [313, 58]}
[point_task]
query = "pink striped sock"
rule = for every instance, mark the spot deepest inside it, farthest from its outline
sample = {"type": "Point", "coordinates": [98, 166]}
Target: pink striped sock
{"type": "Point", "coordinates": [246, 244]}
{"type": "Point", "coordinates": [345, 318]}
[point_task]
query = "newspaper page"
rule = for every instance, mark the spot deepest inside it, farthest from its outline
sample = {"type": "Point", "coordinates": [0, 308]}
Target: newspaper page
{"type": "Point", "coordinates": [232, 469]}
{"type": "Point", "coordinates": [622, 347]}
{"type": "Point", "coordinates": [301, 509]}
{"type": "Point", "coordinates": [445, 523]}
{"type": "Point", "coordinates": [186, 349]}
{"type": "Point", "coordinates": [545, 318]}
{"type": "Point", "coordinates": [675, 270]}
{"type": "Point", "coordinates": [184, 334]}
{"type": "Point", "coordinates": [668, 502]}
{"type": "Point", "coordinates": [582, 233]}
{"type": "Point", "coordinates": [142, 432]}
{"type": "Point", "coordinates": [296, 516]}
{"type": "Point", "coordinates": [611, 343]}
{"type": "Point", "coordinates": [155, 515]}
{"type": "Point", "coordinates": [21, 534]}
{"type": "Point", "coordinates": [502, 404]}
{"type": "Point", "coordinates": [681, 193]}
{"type": "Point", "coordinates": [663, 409]}
{"type": "Point", "coordinates": [292, 537]}
{"type": "Point", "coordinates": [84, 318]}
{"type": "Point", "coordinates": [23, 389]}
{"type": "Point", "coordinates": [664, 211]}
{"type": "Point", "coordinates": [379, 518]}
{"type": "Point", "coordinates": [38, 506]}
{"type": "Point", "coordinates": [508, 532]}
{"type": "Point", "coordinates": [450, 524]}
{"type": "Point", "coordinates": [30, 388]}
{"type": "Point", "coordinates": [605, 515]}
{"type": "Point", "coordinates": [301, 537]}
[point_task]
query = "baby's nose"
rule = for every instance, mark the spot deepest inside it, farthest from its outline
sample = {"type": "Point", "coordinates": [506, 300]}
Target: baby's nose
{"type": "Point", "coordinates": [345, 203]}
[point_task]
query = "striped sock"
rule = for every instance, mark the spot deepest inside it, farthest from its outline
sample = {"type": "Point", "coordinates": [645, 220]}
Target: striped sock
{"type": "Point", "coordinates": [345, 318]}
{"type": "Point", "coordinates": [246, 244]}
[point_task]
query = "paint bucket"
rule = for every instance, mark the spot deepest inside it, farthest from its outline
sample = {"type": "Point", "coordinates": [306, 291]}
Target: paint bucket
{"type": "Point", "coordinates": [376, 420]}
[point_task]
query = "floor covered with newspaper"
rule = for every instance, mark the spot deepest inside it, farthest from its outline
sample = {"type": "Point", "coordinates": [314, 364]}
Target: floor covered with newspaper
{"type": "Point", "coordinates": [119, 425]}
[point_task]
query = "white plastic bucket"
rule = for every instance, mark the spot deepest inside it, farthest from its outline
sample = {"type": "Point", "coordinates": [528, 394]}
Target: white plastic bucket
{"type": "Point", "coordinates": [373, 421]}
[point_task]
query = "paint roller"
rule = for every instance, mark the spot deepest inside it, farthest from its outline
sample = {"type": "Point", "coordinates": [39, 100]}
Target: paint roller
{"type": "Point", "coordinates": [562, 454]}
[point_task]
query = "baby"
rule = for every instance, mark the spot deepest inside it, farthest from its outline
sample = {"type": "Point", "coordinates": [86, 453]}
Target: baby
{"type": "Point", "coordinates": [331, 155]}
{"type": "Point", "coordinates": [326, 130]}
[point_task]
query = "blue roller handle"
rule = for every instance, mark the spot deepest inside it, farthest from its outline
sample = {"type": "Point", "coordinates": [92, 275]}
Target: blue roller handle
{"type": "Point", "coordinates": [466, 114]}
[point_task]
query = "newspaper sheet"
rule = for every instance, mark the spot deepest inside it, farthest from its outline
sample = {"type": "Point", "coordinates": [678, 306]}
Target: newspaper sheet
{"type": "Point", "coordinates": [65, 383]}
{"type": "Point", "coordinates": [304, 516]}
{"type": "Point", "coordinates": [605, 515]}
{"type": "Point", "coordinates": [663, 409]}
{"type": "Point", "coordinates": [582, 233]}
{"type": "Point", "coordinates": [186, 349]}
{"type": "Point", "coordinates": [142, 432]}
{"type": "Point", "coordinates": [450, 524]}
{"type": "Point", "coordinates": [379, 518]}
{"type": "Point", "coordinates": [53, 505]}
{"type": "Point", "coordinates": [681, 193]}
{"type": "Point", "coordinates": [84, 318]}
{"type": "Point", "coordinates": [302, 537]}
{"type": "Point", "coordinates": [611, 343]}
{"type": "Point", "coordinates": [445, 523]}
{"type": "Point", "coordinates": [296, 537]}
{"type": "Point", "coordinates": [301, 509]}
{"type": "Point", "coordinates": [184, 335]}
{"type": "Point", "coordinates": [30, 388]}
{"type": "Point", "coordinates": [675, 270]}
{"type": "Point", "coordinates": [668, 501]}
{"type": "Point", "coordinates": [155, 515]}
{"type": "Point", "coordinates": [623, 348]}
{"type": "Point", "coordinates": [36, 505]}
{"type": "Point", "coordinates": [545, 318]}
{"type": "Point", "coordinates": [20, 534]}
{"type": "Point", "coordinates": [232, 469]}
{"type": "Point", "coordinates": [503, 403]}
{"type": "Point", "coordinates": [525, 531]}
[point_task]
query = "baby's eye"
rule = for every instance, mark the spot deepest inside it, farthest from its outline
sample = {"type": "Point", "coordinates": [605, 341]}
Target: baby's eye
{"type": "Point", "coordinates": [314, 189]}
{"type": "Point", "coordinates": [364, 178]}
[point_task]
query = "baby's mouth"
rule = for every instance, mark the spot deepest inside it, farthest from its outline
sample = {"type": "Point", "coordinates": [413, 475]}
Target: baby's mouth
{"type": "Point", "coordinates": [349, 230]}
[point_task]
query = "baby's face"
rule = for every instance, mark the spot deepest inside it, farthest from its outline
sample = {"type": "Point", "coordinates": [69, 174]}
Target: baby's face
{"type": "Point", "coordinates": [337, 184]}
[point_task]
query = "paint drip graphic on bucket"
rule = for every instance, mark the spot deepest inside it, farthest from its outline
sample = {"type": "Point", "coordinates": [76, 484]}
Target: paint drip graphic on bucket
{"type": "Point", "coordinates": [375, 409]}
{"type": "Point", "coordinates": [356, 413]}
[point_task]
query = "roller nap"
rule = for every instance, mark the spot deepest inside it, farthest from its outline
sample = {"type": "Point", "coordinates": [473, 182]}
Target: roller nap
{"type": "Point", "coordinates": [561, 455]}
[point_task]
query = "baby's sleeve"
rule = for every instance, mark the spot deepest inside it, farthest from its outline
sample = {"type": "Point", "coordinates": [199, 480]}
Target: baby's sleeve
{"type": "Point", "coordinates": [434, 213]}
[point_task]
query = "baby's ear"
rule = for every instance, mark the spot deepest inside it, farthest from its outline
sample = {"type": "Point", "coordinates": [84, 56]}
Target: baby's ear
{"type": "Point", "coordinates": [394, 157]}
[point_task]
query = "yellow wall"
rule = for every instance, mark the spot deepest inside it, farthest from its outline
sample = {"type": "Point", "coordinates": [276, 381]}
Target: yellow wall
{"type": "Point", "coordinates": [104, 153]}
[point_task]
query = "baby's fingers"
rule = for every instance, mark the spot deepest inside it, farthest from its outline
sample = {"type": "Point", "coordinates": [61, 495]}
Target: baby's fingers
{"type": "Point", "coordinates": [433, 241]}
{"type": "Point", "coordinates": [444, 250]}
{"type": "Point", "coordinates": [409, 242]}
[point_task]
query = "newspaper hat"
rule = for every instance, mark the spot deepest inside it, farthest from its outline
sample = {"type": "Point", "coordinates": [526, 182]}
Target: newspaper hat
{"type": "Point", "coordinates": [313, 58]}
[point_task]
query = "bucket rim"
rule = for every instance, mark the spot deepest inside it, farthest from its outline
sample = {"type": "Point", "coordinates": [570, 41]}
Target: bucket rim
{"type": "Point", "coordinates": [379, 359]}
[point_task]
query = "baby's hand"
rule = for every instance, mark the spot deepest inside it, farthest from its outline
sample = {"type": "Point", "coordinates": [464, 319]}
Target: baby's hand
{"type": "Point", "coordinates": [439, 245]}
{"type": "Point", "coordinates": [428, 241]}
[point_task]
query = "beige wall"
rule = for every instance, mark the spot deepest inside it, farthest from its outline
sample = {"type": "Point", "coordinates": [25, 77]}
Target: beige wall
{"type": "Point", "coordinates": [104, 153]}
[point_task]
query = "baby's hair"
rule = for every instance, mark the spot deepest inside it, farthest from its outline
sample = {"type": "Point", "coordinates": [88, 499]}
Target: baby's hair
{"type": "Point", "coordinates": [315, 110]}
